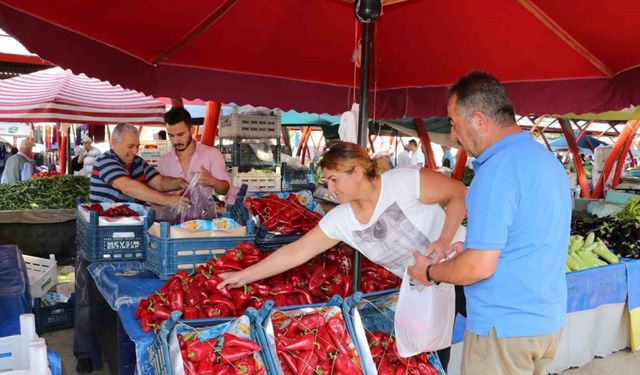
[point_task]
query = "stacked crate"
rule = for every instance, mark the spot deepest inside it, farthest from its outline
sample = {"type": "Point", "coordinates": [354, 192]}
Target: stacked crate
{"type": "Point", "coordinates": [236, 133]}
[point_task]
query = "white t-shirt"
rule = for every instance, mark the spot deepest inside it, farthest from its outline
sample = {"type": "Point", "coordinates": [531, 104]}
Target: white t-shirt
{"type": "Point", "coordinates": [417, 157]}
{"type": "Point", "coordinates": [400, 224]}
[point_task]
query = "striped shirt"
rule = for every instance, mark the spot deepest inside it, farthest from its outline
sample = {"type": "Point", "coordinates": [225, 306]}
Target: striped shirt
{"type": "Point", "coordinates": [109, 167]}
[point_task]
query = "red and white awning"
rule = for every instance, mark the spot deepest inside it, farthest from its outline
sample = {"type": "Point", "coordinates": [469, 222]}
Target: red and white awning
{"type": "Point", "coordinates": [57, 95]}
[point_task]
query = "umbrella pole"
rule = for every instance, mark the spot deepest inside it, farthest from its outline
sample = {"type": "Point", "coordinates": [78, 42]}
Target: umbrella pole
{"type": "Point", "coordinates": [367, 33]}
{"type": "Point", "coordinates": [565, 125]}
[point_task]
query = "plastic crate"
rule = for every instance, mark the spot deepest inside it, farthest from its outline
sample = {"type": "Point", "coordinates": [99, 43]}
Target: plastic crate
{"type": "Point", "coordinates": [166, 256]}
{"type": "Point", "coordinates": [265, 330]}
{"type": "Point", "coordinates": [25, 353]}
{"type": "Point", "coordinates": [159, 351]}
{"type": "Point", "coordinates": [297, 179]}
{"type": "Point", "coordinates": [257, 181]}
{"type": "Point", "coordinates": [54, 317]}
{"type": "Point", "coordinates": [43, 274]}
{"type": "Point", "coordinates": [14, 290]}
{"type": "Point", "coordinates": [238, 125]}
{"type": "Point", "coordinates": [241, 155]}
{"type": "Point", "coordinates": [152, 151]}
{"type": "Point", "coordinates": [267, 241]}
{"type": "Point", "coordinates": [113, 242]}
{"type": "Point", "coordinates": [374, 312]}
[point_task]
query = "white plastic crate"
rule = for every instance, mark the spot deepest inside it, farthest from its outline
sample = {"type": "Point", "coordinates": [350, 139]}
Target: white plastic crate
{"type": "Point", "coordinates": [238, 125]}
{"type": "Point", "coordinates": [42, 273]}
{"type": "Point", "coordinates": [26, 353]}
{"type": "Point", "coordinates": [151, 151]}
{"type": "Point", "coordinates": [257, 181]}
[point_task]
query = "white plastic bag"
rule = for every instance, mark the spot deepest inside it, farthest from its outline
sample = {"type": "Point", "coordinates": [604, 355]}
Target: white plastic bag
{"type": "Point", "coordinates": [424, 317]}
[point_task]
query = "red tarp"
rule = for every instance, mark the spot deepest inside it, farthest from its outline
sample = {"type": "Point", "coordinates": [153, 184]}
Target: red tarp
{"type": "Point", "coordinates": [556, 56]}
{"type": "Point", "coordinates": [57, 95]}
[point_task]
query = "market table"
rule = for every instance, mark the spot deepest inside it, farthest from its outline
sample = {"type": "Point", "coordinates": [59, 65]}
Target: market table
{"type": "Point", "coordinates": [597, 322]}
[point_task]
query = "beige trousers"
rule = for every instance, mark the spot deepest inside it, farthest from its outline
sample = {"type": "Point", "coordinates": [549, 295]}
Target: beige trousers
{"type": "Point", "coordinates": [490, 355]}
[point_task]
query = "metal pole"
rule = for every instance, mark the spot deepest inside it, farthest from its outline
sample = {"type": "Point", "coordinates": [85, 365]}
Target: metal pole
{"type": "Point", "coordinates": [363, 119]}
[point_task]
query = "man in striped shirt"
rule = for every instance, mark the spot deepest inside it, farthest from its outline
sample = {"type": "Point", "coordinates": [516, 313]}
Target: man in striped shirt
{"type": "Point", "coordinates": [120, 175]}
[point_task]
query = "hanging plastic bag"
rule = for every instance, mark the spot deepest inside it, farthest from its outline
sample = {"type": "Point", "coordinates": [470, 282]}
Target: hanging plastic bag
{"type": "Point", "coordinates": [201, 203]}
{"type": "Point", "coordinates": [424, 317]}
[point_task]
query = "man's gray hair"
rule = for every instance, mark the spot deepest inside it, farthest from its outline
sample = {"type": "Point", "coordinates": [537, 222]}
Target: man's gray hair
{"type": "Point", "coordinates": [117, 135]}
{"type": "Point", "coordinates": [480, 91]}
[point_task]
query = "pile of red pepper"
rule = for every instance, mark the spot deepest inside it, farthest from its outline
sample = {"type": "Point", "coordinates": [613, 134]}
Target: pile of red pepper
{"type": "Point", "coordinates": [375, 278]}
{"type": "Point", "coordinates": [283, 216]}
{"type": "Point", "coordinates": [197, 295]}
{"type": "Point", "coordinates": [314, 344]}
{"type": "Point", "coordinates": [45, 174]}
{"type": "Point", "coordinates": [118, 211]}
{"type": "Point", "coordinates": [388, 361]}
{"type": "Point", "coordinates": [236, 356]}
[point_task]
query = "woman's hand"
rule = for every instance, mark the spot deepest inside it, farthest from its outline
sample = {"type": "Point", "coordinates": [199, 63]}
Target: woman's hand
{"type": "Point", "coordinates": [231, 280]}
{"type": "Point", "coordinates": [437, 250]}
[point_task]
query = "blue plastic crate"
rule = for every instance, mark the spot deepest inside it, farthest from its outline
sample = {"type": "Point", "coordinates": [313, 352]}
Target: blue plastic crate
{"type": "Point", "coordinates": [111, 243]}
{"type": "Point", "coordinates": [263, 316]}
{"type": "Point", "coordinates": [54, 317]}
{"type": "Point", "coordinates": [375, 312]}
{"type": "Point", "coordinates": [14, 290]}
{"type": "Point", "coordinates": [159, 355]}
{"type": "Point", "coordinates": [166, 256]}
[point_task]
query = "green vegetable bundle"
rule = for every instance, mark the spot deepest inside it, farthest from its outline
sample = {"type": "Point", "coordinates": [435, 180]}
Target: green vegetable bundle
{"type": "Point", "coordinates": [588, 252]}
{"type": "Point", "coordinates": [631, 210]}
{"type": "Point", "coordinates": [43, 193]}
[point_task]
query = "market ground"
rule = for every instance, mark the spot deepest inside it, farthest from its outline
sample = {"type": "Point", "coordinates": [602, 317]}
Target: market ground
{"type": "Point", "coordinates": [620, 363]}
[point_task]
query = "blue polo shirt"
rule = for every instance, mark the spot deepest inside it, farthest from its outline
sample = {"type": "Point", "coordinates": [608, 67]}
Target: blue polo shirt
{"type": "Point", "coordinates": [519, 202]}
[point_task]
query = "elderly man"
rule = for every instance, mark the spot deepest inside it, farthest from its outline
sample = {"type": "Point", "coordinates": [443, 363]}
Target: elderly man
{"type": "Point", "coordinates": [87, 155]}
{"type": "Point", "coordinates": [18, 166]}
{"type": "Point", "coordinates": [118, 175]}
{"type": "Point", "coordinates": [514, 277]}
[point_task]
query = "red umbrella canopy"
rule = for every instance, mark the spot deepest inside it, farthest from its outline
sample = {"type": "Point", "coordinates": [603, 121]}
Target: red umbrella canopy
{"type": "Point", "coordinates": [555, 56]}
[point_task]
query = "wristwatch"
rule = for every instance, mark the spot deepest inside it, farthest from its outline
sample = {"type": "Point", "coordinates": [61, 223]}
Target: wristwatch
{"type": "Point", "coordinates": [429, 279]}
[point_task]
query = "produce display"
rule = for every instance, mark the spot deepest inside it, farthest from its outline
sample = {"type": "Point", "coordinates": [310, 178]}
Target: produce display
{"type": "Point", "coordinates": [44, 193]}
{"type": "Point", "coordinates": [388, 361]}
{"type": "Point", "coordinates": [588, 252]}
{"type": "Point", "coordinates": [619, 235]}
{"type": "Point", "coordinates": [375, 277]}
{"type": "Point", "coordinates": [118, 211]}
{"type": "Point", "coordinates": [631, 210]}
{"type": "Point", "coordinates": [283, 216]}
{"type": "Point", "coordinates": [210, 356]}
{"type": "Point", "coordinates": [197, 295]}
{"type": "Point", "coordinates": [45, 174]}
{"type": "Point", "coordinates": [314, 343]}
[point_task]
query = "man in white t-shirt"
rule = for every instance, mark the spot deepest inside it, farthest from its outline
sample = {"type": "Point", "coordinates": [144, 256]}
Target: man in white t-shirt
{"type": "Point", "coordinates": [417, 157]}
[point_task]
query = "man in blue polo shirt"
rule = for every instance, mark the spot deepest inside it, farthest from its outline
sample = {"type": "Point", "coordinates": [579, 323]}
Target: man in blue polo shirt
{"type": "Point", "coordinates": [519, 214]}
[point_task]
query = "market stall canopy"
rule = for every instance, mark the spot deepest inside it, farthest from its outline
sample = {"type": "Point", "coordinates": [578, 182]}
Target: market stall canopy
{"type": "Point", "coordinates": [631, 113]}
{"type": "Point", "coordinates": [583, 142]}
{"type": "Point", "coordinates": [57, 95]}
{"type": "Point", "coordinates": [554, 56]}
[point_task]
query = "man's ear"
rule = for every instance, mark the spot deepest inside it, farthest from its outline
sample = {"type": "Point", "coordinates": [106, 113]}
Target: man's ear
{"type": "Point", "coordinates": [481, 121]}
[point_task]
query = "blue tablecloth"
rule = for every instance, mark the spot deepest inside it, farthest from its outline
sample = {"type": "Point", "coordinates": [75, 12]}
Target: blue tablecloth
{"type": "Point", "coordinates": [586, 290]}
{"type": "Point", "coordinates": [123, 284]}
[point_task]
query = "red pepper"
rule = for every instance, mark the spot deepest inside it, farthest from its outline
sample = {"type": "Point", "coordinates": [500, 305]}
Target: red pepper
{"type": "Point", "coordinates": [212, 283]}
{"type": "Point", "coordinates": [192, 295]}
{"type": "Point", "coordinates": [205, 368]}
{"type": "Point", "coordinates": [259, 289]}
{"type": "Point", "coordinates": [176, 300]}
{"type": "Point", "coordinates": [280, 300]}
{"type": "Point", "coordinates": [345, 365]}
{"type": "Point", "coordinates": [216, 311]}
{"type": "Point", "coordinates": [190, 367]}
{"type": "Point", "coordinates": [240, 298]}
{"type": "Point", "coordinates": [320, 275]}
{"type": "Point", "coordinates": [224, 264]}
{"type": "Point", "coordinates": [325, 340]}
{"type": "Point", "coordinates": [312, 321]}
{"type": "Point", "coordinates": [289, 361]}
{"type": "Point", "coordinates": [282, 289]}
{"type": "Point", "coordinates": [146, 322]}
{"type": "Point", "coordinates": [305, 297]}
{"type": "Point", "coordinates": [257, 302]}
{"type": "Point", "coordinates": [142, 305]}
{"type": "Point", "coordinates": [239, 342]}
{"type": "Point", "coordinates": [305, 342]}
{"type": "Point", "coordinates": [426, 369]}
{"type": "Point", "coordinates": [337, 331]}
{"type": "Point", "coordinates": [190, 312]}
{"type": "Point", "coordinates": [199, 351]}
{"type": "Point", "coordinates": [346, 285]}
{"type": "Point", "coordinates": [231, 354]}
{"type": "Point", "coordinates": [248, 248]}
{"type": "Point", "coordinates": [235, 255]}
{"type": "Point", "coordinates": [220, 369]}
{"type": "Point", "coordinates": [161, 313]}
{"type": "Point", "coordinates": [249, 259]}
{"type": "Point", "coordinates": [307, 363]}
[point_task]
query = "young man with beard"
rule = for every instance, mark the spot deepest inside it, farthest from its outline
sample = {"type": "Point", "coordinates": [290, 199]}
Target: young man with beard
{"type": "Point", "coordinates": [189, 157]}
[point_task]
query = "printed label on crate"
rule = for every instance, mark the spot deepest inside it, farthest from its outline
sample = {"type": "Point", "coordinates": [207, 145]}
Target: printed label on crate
{"type": "Point", "coordinates": [122, 245]}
